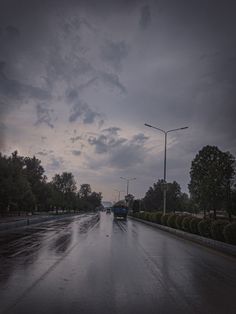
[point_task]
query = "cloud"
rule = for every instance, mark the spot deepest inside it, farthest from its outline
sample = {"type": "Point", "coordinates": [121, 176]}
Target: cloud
{"type": "Point", "coordinates": [119, 152]}
{"type": "Point", "coordinates": [112, 130]}
{"type": "Point", "coordinates": [113, 80]}
{"type": "Point", "coordinates": [43, 153]}
{"type": "Point", "coordinates": [114, 52]}
{"type": "Point", "coordinates": [55, 164]}
{"type": "Point", "coordinates": [14, 93]}
{"type": "Point", "coordinates": [82, 110]}
{"type": "Point", "coordinates": [76, 152]}
{"type": "Point", "coordinates": [44, 115]}
{"type": "Point", "coordinates": [145, 17]}
{"type": "Point", "coordinates": [76, 138]}
{"type": "Point", "coordinates": [127, 155]}
{"type": "Point", "coordinates": [139, 138]}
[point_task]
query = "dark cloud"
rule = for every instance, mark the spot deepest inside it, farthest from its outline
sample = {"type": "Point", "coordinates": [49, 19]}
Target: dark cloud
{"type": "Point", "coordinates": [15, 92]}
{"type": "Point", "coordinates": [139, 138]}
{"type": "Point", "coordinates": [113, 81]}
{"type": "Point", "coordinates": [114, 52]}
{"type": "Point", "coordinates": [112, 130]}
{"type": "Point", "coordinates": [76, 138]}
{"type": "Point", "coordinates": [76, 152]}
{"type": "Point", "coordinates": [72, 95]}
{"type": "Point", "coordinates": [120, 152]}
{"type": "Point", "coordinates": [127, 155]}
{"type": "Point", "coordinates": [145, 17]}
{"type": "Point", "coordinates": [44, 115]}
{"type": "Point", "coordinates": [81, 110]}
{"type": "Point", "coordinates": [43, 153]}
{"type": "Point", "coordinates": [55, 164]}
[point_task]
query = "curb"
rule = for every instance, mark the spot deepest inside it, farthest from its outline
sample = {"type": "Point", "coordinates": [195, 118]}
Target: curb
{"type": "Point", "coordinates": [226, 248]}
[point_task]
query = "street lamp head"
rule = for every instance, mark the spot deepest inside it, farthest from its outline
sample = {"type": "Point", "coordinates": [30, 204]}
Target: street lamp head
{"type": "Point", "coordinates": [148, 125]}
{"type": "Point", "coordinates": [185, 127]}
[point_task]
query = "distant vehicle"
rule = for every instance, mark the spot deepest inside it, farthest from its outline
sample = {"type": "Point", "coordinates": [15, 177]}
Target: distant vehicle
{"type": "Point", "coordinates": [120, 210]}
{"type": "Point", "coordinates": [108, 210]}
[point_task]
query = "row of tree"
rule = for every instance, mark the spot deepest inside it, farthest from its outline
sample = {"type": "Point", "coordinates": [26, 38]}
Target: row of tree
{"type": "Point", "coordinates": [24, 187]}
{"type": "Point", "coordinates": [212, 186]}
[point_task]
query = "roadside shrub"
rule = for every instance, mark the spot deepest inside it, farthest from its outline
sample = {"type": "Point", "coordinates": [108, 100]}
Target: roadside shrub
{"type": "Point", "coordinates": [217, 228]}
{"type": "Point", "coordinates": [151, 217]}
{"type": "Point", "coordinates": [178, 221]}
{"type": "Point", "coordinates": [171, 221]}
{"type": "Point", "coordinates": [204, 227]}
{"type": "Point", "coordinates": [157, 218]}
{"type": "Point", "coordinates": [145, 216]}
{"type": "Point", "coordinates": [193, 224]}
{"type": "Point", "coordinates": [230, 233]}
{"type": "Point", "coordinates": [164, 219]}
{"type": "Point", "coordinates": [140, 215]}
{"type": "Point", "coordinates": [186, 223]}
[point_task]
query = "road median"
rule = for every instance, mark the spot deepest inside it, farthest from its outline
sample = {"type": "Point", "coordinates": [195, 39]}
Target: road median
{"type": "Point", "coordinates": [28, 221]}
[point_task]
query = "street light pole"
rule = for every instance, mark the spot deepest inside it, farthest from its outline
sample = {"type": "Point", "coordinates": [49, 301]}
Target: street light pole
{"type": "Point", "coordinates": [127, 183]}
{"type": "Point", "coordinates": [165, 133]}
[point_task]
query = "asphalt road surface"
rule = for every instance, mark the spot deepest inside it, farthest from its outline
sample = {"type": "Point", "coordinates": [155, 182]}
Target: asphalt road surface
{"type": "Point", "coordinates": [85, 266]}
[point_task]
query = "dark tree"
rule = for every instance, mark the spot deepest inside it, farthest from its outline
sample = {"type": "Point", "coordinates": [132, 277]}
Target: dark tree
{"type": "Point", "coordinates": [153, 200]}
{"type": "Point", "coordinates": [210, 178]}
{"type": "Point", "coordinates": [64, 190]}
{"type": "Point", "coordinates": [85, 191]}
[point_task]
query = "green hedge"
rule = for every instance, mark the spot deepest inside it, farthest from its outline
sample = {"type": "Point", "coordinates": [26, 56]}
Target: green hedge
{"type": "Point", "coordinates": [220, 230]}
{"type": "Point", "coordinates": [204, 227]}
{"type": "Point", "coordinates": [193, 224]}
{"type": "Point", "coordinates": [217, 228]}
{"type": "Point", "coordinates": [186, 223]}
{"type": "Point", "coordinates": [164, 219]}
{"type": "Point", "coordinates": [178, 221]}
{"type": "Point", "coordinates": [171, 221]}
{"type": "Point", "coordinates": [230, 233]}
{"type": "Point", "coordinates": [158, 216]}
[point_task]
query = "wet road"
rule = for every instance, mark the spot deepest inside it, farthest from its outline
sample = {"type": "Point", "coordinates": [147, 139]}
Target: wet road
{"type": "Point", "coordinates": [81, 265]}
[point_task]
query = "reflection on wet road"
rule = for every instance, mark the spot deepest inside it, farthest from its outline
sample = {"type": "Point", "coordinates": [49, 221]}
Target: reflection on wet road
{"type": "Point", "coordinates": [83, 265]}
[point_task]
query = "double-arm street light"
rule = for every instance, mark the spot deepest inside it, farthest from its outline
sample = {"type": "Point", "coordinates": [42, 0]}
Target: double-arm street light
{"type": "Point", "coordinates": [127, 183]}
{"type": "Point", "coordinates": [165, 132]}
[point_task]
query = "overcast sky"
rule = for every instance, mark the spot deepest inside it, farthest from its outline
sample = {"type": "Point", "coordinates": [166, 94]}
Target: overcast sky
{"type": "Point", "coordinates": [78, 80]}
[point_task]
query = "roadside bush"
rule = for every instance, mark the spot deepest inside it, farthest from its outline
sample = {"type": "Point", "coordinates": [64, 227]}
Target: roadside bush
{"type": "Point", "coordinates": [178, 221]}
{"type": "Point", "coordinates": [157, 218]}
{"type": "Point", "coordinates": [186, 223]}
{"type": "Point", "coordinates": [193, 224]}
{"type": "Point", "coordinates": [164, 219]}
{"type": "Point", "coordinates": [171, 221]}
{"type": "Point", "coordinates": [140, 215]}
{"type": "Point", "coordinates": [217, 228]}
{"type": "Point", "coordinates": [204, 227]}
{"type": "Point", "coordinates": [151, 217]}
{"type": "Point", "coordinates": [230, 233]}
{"type": "Point", "coordinates": [145, 216]}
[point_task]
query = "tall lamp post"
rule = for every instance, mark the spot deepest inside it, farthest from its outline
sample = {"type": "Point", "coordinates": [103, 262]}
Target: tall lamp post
{"type": "Point", "coordinates": [127, 183]}
{"type": "Point", "coordinates": [165, 133]}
